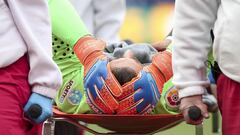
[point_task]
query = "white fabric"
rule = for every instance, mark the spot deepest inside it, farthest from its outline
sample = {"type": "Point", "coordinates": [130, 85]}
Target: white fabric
{"type": "Point", "coordinates": [103, 18]}
{"type": "Point", "coordinates": [193, 21]}
{"type": "Point", "coordinates": [25, 28]}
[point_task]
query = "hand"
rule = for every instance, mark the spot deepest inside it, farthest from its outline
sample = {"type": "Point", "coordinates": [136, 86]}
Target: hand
{"type": "Point", "coordinates": [187, 102]}
{"type": "Point", "coordinates": [210, 101]}
{"type": "Point", "coordinates": [163, 62]}
{"type": "Point", "coordinates": [98, 78]}
{"type": "Point", "coordinates": [102, 88]}
{"type": "Point", "coordinates": [148, 87]}
{"type": "Point", "coordinates": [140, 95]}
{"type": "Point", "coordinates": [45, 110]}
{"type": "Point", "coordinates": [162, 45]}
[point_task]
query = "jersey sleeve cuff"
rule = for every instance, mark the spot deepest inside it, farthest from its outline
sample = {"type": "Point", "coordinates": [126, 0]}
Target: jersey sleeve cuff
{"type": "Point", "coordinates": [191, 91]}
{"type": "Point", "coordinates": [45, 91]}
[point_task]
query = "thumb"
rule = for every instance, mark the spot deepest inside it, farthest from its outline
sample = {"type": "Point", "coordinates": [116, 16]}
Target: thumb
{"type": "Point", "coordinates": [162, 45]}
{"type": "Point", "coordinates": [204, 110]}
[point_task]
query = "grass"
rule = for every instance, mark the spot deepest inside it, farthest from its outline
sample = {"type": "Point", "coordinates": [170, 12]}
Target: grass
{"type": "Point", "coordinates": [181, 129]}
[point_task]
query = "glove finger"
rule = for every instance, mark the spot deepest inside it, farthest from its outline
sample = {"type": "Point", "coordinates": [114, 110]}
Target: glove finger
{"type": "Point", "coordinates": [96, 102]}
{"type": "Point", "coordinates": [93, 99]}
{"type": "Point", "coordinates": [147, 109]}
{"type": "Point", "coordinates": [102, 68]}
{"type": "Point", "coordinates": [127, 100]}
{"type": "Point", "coordinates": [145, 94]}
{"type": "Point", "coordinates": [154, 88]}
{"type": "Point", "coordinates": [132, 105]}
{"type": "Point", "coordinates": [99, 83]}
{"type": "Point", "coordinates": [104, 93]}
{"type": "Point", "coordinates": [96, 82]}
{"type": "Point", "coordinates": [108, 98]}
{"type": "Point", "coordinates": [112, 84]}
{"type": "Point", "coordinates": [138, 107]}
{"type": "Point", "coordinates": [148, 90]}
{"type": "Point", "coordinates": [99, 69]}
{"type": "Point", "coordinates": [144, 107]}
{"type": "Point", "coordinates": [128, 106]}
{"type": "Point", "coordinates": [93, 80]}
{"type": "Point", "coordinates": [96, 93]}
{"type": "Point", "coordinates": [138, 84]}
{"type": "Point", "coordinates": [90, 75]}
{"type": "Point", "coordinates": [148, 95]}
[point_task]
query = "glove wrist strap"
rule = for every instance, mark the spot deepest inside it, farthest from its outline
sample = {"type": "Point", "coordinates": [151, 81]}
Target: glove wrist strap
{"type": "Point", "coordinates": [163, 62]}
{"type": "Point", "coordinates": [87, 46]}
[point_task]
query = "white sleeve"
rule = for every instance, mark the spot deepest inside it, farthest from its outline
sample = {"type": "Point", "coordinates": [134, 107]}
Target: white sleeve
{"type": "Point", "coordinates": [191, 39]}
{"type": "Point", "coordinates": [32, 20]}
{"type": "Point", "coordinates": [108, 18]}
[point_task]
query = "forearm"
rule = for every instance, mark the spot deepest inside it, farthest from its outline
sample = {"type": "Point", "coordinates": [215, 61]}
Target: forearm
{"type": "Point", "coordinates": [66, 24]}
{"type": "Point", "coordinates": [191, 44]}
{"type": "Point", "coordinates": [33, 23]}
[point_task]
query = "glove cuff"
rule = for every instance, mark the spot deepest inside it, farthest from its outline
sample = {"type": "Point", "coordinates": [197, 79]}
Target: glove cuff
{"type": "Point", "coordinates": [163, 62]}
{"type": "Point", "coordinates": [45, 91]}
{"type": "Point", "coordinates": [89, 50]}
{"type": "Point", "coordinates": [86, 46]}
{"type": "Point", "coordinates": [157, 75]}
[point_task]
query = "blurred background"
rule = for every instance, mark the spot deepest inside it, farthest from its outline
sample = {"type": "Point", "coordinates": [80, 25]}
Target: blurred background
{"type": "Point", "coordinates": [147, 20]}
